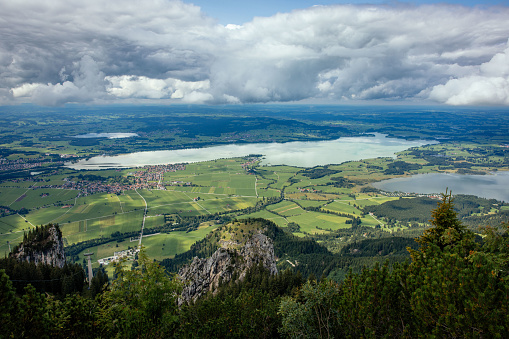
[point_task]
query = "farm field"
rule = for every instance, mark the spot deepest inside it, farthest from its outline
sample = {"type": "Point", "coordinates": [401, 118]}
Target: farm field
{"type": "Point", "coordinates": [315, 222]}
{"type": "Point", "coordinates": [158, 246]}
{"type": "Point", "coordinates": [318, 200]}
{"type": "Point", "coordinates": [278, 220]}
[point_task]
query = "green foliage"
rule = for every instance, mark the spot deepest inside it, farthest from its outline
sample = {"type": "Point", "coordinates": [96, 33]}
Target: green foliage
{"type": "Point", "coordinates": [250, 314]}
{"type": "Point", "coordinates": [454, 287]}
{"type": "Point", "coordinates": [373, 304]}
{"type": "Point", "coordinates": [99, 282]}
{"type": "Point", "coordinates": [39, 239]}
{"type": "Point", "coordinates": [44, 278]}
{"type": "Point", "coordinates": [452, 295]}
{"type": "Point", "coordinates": [9, 305]}
{"type": "Point", "coordinates": [447, 229]}
{"type": "Point", "coordinates": [317, 172]}
{"type": "Point", "coordinates": [293, 227]}
{"type": "Point", "coordinates": [32, 320]}
{"type": "Point", "coordinates": [400, 167]}
{"type": "Point", "coordinates": [246, 308]}
{"type": "Point", "coordinates": [406, 210]}
{"type": "Point", "coordinates": [73, 317]}
{"type": "Point", "coordinates": [313, 313]}
{"type": "Point", "coordinates": [140, 302]}
{"type": "Point", "coordinates": [379, 247]}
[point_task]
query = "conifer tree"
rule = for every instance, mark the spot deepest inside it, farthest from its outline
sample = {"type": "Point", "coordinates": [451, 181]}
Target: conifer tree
{"type": "Point", "coordinates": [447, 229]}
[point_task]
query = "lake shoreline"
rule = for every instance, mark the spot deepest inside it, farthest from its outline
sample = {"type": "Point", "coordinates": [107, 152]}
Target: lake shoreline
{"type": "Point", "coordinates": [293, 153]}
{"type": "Point", "coordinates": [489, 186]}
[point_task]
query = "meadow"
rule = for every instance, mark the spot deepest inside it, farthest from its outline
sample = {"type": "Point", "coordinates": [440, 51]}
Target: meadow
{"type": "Point", "coordinates": [321, 201]}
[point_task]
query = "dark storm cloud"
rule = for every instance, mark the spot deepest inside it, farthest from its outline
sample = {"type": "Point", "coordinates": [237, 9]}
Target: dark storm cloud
{"type": "Point", "coordinates": [54, 52]}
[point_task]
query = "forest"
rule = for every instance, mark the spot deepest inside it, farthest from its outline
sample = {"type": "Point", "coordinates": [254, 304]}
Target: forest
{"type": "Point", "coordinates": [452, 285]}
{"type": "Point", "coordinates": [418, 209]}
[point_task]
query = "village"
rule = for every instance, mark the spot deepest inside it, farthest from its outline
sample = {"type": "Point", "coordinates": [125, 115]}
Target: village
{"type": "Point", "coordinates": [147, 177]}
{"type": "Point", "coordinates": [127, 254]}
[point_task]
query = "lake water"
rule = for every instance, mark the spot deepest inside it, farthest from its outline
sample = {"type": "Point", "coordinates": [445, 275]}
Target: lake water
{"type": "Point", "coordinates": [494, 186]}
{"type": "Point", "coordinates": [106, 135]}
{"type": "Point", "coordinates": [301, 154]}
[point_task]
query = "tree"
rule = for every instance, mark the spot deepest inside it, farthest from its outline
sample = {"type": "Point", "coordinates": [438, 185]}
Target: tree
{"type": "Point", "coordinates": [314, 313]}
{"type": "Point", "coordinates": [140, 302]}
{"type": "Point", "coordinates": [32, 319]}
{"type": "Point", "coordinates": [9, 305]}
{"type": "Point", "coordinates": [447, 229]}
{"type": "Point", "coordinates": [455, 286]}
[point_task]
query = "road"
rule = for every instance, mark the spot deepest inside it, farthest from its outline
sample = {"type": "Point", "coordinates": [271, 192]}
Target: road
{"type": "Point", "coordinates": [144, 216]}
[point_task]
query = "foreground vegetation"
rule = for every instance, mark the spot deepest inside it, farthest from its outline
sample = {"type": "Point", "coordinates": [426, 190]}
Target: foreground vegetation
{"type": "Point", "coordinates": [454, 286]}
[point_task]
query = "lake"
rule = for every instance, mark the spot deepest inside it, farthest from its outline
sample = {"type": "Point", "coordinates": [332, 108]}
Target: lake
{"type": "Point", "coordinates": [494, 186]}
{"type": "Point", "coordinates": [106, 135]}
{"type": "Point", "coordinates": [298, 153]}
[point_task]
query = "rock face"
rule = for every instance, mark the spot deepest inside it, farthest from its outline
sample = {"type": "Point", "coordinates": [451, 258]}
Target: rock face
{"type": "Point", "coordinates": [204, 275]}
{"type": "Point", "coordinates": [43, 245]}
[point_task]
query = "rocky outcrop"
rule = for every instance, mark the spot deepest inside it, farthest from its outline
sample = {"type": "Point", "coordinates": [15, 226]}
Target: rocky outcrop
{"type": "Point", "coordinates": [205, 275]}
{"type": "Point", "coordinates": [42, 245]}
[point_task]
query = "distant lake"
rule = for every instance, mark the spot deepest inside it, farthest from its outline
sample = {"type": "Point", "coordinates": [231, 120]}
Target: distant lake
{"type": "Point", "coordinates": [298, 153]}
{"type": "Point", "coordinates": [106, 135]}
{"type": "Point", "coordinates": [494, 186]}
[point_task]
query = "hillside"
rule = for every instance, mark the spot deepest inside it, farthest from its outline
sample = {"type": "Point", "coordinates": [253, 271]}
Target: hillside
{"type": "Point", "coordinates": [452, 286]}
{"type": "Point", "coordinates": [303, 255]}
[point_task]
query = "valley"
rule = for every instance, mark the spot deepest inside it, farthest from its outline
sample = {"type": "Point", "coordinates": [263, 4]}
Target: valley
{"type": "Point", "coordinates": [102, 211]}
{"type": "Point", "coordinates": [325, 226]}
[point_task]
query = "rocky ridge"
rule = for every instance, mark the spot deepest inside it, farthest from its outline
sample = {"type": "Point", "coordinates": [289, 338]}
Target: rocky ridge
{"type": "Point", "coordinates": [42, 245]}
{"type": "Point", "coordinates": [227, 263]}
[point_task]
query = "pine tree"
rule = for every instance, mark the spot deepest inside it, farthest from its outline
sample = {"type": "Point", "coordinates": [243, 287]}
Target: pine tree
{"type": "Point", "coordinates": [447, 229]}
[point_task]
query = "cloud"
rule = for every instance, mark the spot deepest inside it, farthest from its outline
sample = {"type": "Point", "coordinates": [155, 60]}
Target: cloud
{"type": "Point", "coordinates": [87, 86]}
{"type": "Point", "coordinates": [55, 52]}
{"type": "Point", "coordinates": [489, 87]}
{"type": "Point", "coordinates": [147, 88]}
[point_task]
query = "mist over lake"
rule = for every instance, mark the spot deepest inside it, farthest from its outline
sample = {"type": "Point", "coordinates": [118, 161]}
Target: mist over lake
{"type": "Point", "coordinates": [298, 153]}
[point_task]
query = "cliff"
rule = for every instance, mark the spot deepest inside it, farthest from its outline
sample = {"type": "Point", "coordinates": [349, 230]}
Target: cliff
{"type": "Point", "coordinates": [231, 261]}
{"type": "Point", "coordinates": [42, 245]}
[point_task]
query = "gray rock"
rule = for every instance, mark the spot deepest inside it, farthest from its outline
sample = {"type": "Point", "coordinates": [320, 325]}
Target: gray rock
{"type": "Point", "coordinates": [53, 255]}
{"type": "Point", "coordinates": [205, 275]}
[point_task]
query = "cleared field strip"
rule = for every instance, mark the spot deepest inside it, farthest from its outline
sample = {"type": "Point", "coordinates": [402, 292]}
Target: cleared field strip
{"type": "Point", "coordinates": [280, 221]}
{"type": "Point", "coordinates": [309, 222]}
{"type": "Point", "coordinates": [8, 195]}
{"type": "Point", "coordinates": [103, 226]}
{"type": "Point", "coordinates": [45, 197]}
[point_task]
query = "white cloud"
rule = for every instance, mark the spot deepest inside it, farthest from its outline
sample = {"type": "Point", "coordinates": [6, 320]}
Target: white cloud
{"type": "Point", "coordinates": [25, 90]}
{"type": "Point", "coordinates": [142, 87]}
{"type": "Point", "coordinates": [54, 52]}
{"type": "Point", "coordinates": [126, 86]}
{"type": "Point", "coordinates": [489, 87]}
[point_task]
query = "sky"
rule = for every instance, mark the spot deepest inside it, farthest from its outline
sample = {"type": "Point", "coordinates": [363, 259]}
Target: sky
{"type": "Point", "coordinates": [239, 12]}
{"type": "Point", "coordinates": [55, 52]}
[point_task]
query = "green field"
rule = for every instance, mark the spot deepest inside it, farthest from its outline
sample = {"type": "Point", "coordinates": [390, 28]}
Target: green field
{"type": "Point", "coordinates": [315, 222]}
{"type": "Point", "coordinates": [201, 189]}
{"type": "Point", "coordinates": [278, 220]}
{"type": "Point", "coordinates": [158, 246]}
